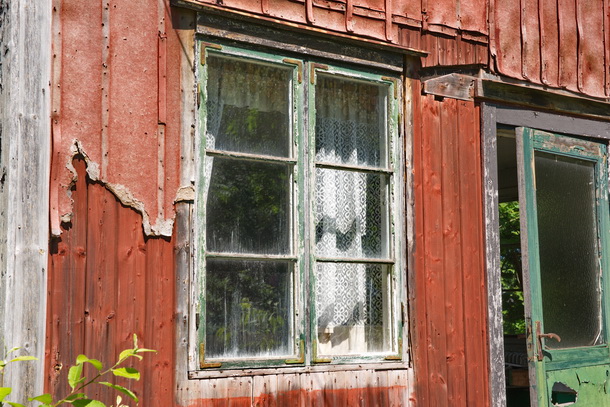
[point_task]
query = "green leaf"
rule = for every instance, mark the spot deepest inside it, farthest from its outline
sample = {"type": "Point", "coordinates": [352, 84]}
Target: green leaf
{"type": "Point", "coordinates": [125, 354]}
{"type": "Point", "coordinates": [121, 389]}
{"type": "Point", "coordinates": [15, 404]}
{"type": "Point", "coordinates": [74, 375]}
{"type": "Point", "coordinates": [43, 398]}
{"type": "Point", "coordinates": [87, 403]}
{"type": "Point", "coordinates": [22, 358]}
{"type": "Point", "coordinates": [80, 359]}
{"type": "Point", "coordinates": [13, 350]}
{"type": "Point", "coordinates": [127, 372]}
{"type": "Point", "coordinates": [4, 391]}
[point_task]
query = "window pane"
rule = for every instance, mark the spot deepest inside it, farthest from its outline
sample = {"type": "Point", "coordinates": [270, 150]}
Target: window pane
{"type": "Point", "coordinates": [248, 309]}
{"type": "Point", "coordinates": [248, 206]}
{"type": "Point", "coordinates": [351, 214]}
{"type": "Point", "coordinates": [350, 121]}
{"type": "Point", "coordinates": [353, 308]}
{"type": "Point", "coordinates": [248, 107]}
{"type": "Point", "coordinates": [569, 261]}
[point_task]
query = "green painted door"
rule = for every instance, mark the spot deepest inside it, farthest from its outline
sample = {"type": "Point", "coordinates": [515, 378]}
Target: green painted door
{"type": "Point", "coordinates": [563, 196]}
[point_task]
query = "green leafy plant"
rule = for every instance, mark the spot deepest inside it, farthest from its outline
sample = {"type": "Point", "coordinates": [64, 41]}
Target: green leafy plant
{"type": "Point", "coordinates": [78, 382]}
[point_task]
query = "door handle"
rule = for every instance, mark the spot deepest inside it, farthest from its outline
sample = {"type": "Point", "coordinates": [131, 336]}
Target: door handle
{"type": "Point", "coordinates": [540, 335]}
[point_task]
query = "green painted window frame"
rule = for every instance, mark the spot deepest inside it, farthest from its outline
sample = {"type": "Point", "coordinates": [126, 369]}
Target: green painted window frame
{"type": "Point", "coordinates": [303, 78]}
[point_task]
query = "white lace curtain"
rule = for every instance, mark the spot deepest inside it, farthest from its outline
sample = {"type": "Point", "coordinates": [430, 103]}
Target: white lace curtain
{"type": "Point", "coordinates": [350, 216]}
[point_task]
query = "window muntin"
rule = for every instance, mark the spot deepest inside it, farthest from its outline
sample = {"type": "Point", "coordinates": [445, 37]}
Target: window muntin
{"type": "Point", "coordinates": [259, 243]}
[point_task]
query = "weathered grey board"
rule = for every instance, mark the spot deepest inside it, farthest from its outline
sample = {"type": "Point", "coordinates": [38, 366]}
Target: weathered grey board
{"type": "Point", "coordinates": [492, 255]}
{"type": "Point", "coordinates": [25, 67]}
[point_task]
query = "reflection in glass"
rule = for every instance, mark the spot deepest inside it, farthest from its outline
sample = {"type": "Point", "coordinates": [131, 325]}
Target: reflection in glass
{"type": "Point", "coordinates": [350, 121]}
{"type": "Point", "coordinates": [248, 107]}
{"type": "Point", "coordinates": [248, 207]}
{"type": "Point", "coordinates": [351, 214]}
{"type": "Point", "coordinates": [249, 309]}
{"type": "Point", "coordinates": [567, 234]}
{"type": "Point", "coordinates": [352, 308]}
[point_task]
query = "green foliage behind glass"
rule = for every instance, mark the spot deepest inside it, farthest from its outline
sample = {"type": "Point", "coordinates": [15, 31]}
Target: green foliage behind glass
{"type": "Point", "coordinates": [510, 264]}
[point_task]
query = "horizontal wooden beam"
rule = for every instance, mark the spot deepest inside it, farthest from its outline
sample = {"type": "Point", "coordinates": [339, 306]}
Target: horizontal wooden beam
{"type": "Point", "coordinates": [454, 85]}
{"type": "Point", "coordinates": [541, 99]}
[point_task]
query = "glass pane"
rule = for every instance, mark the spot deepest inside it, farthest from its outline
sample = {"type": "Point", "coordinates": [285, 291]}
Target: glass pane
{"type": "Point", "coordinates": [351, 121]}
{"type": "Point", "coordinates": [248, 309]}
{"type": "Point", "coordinates": [248, 206]}
{"type": "Point", "coordinates": [353, 308]}
{"type": "Point", "coordinates": [351, 214]}
{"type": "Point", "coordinates": [248, 107]}
{"type": "Point", "coordinates": [569, 262]}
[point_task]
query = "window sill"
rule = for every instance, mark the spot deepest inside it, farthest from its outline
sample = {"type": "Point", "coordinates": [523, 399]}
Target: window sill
{"type": "Point", "coordinates": [220, 373]}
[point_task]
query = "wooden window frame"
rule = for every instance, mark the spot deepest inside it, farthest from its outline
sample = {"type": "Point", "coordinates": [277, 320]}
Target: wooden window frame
{"type": "Point", "coordinates": [305, 69]}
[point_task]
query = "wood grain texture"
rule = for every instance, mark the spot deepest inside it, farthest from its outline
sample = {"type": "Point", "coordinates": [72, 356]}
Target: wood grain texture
{"type": "Point", "coordinates": [107, 282]}
{"type": "Point", "coordinates": [25, 136]}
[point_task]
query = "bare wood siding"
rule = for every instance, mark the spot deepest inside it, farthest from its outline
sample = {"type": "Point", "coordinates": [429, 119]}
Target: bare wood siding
{"type": "Point", "coordinates": [351, 388]}
{"type": "Point", "coordinates": [25, 55]}
{"type": "Point", "coordinates": [449, 297]}
{"type": "Point", "coordinates": [106, 282]}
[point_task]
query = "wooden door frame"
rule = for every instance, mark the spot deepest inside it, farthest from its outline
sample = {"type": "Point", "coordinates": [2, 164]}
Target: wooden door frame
{"type": "Point", "coordinates": [493, 115]}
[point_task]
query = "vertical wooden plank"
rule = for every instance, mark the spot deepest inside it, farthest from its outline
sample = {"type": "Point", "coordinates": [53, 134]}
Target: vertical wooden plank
{"type": "Point", "coordinates": [130, 283]}
{"type": "Point", "coordinates": [452, 261]}
{"type": "Point", "coordinates": [100, 291]}
{"type": "Point", "coordinates": [568, 44]}
{"type": "Point", "coordinates": [418, 294]}
{"type": "Point", "coordinates": [25, 46]}
{"type": "Point", "coordinates": [530, 40]}
{"type": "Point", "coordinates": [497, 384]}
{"type": "Point", "coordinates": [549, 42]}
{"type": "Point", "coordinates": [443, 12]}
{"type": "Point", "coordinates": [264, 391]}
{"type": "Point", "coordinates": [475, 299]}
{"type": "Point", "coordinates": [433, 252]}
{"type": "Point", "coordinates": [606, 17]}
{"type": "Point", "coordinates": [289, 391]}
{"type": "Point", "coordinates": [473, 15]}
{"type": "Point", "coordinates": [507, 24]}
{"type": "Point", "coordinates": [66, 298]}
{"type": "Point", "coordinates": [590, 20]}
{"type": "Point", "coordinates": [160, 290]}
{"type": "Point", "coordinates": [133, 105]}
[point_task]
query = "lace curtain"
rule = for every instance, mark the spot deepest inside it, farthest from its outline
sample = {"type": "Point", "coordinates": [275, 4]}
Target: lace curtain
{"type": "Point", "coordinates": [351, 217]}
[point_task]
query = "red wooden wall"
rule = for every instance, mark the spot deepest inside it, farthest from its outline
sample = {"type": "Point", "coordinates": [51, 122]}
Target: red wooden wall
{"type": "Point", "coordinates": [118, 92]}
{"type": "Point", "coordinates": [449, 314]}
{"type": "Point", "coordinates": [107, 282]}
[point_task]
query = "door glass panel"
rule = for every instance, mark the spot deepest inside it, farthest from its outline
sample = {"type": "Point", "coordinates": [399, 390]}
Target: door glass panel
{"type": "Point", "coordinates": [569, 260]}
{"type": "Point", "coordinates": [248, 308]}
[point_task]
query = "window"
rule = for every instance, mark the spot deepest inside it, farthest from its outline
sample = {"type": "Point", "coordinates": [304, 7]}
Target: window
{"type": "Point", "coordinates": [299, 257]}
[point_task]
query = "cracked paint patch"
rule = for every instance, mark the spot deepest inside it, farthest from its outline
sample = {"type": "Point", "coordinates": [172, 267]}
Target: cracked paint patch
{"type": "Point", "coordinates": [583, 386]}
{"type": "Point", "coordinates": [562, 395]}
{"type": "Point", "coordinates": [160, 227]}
